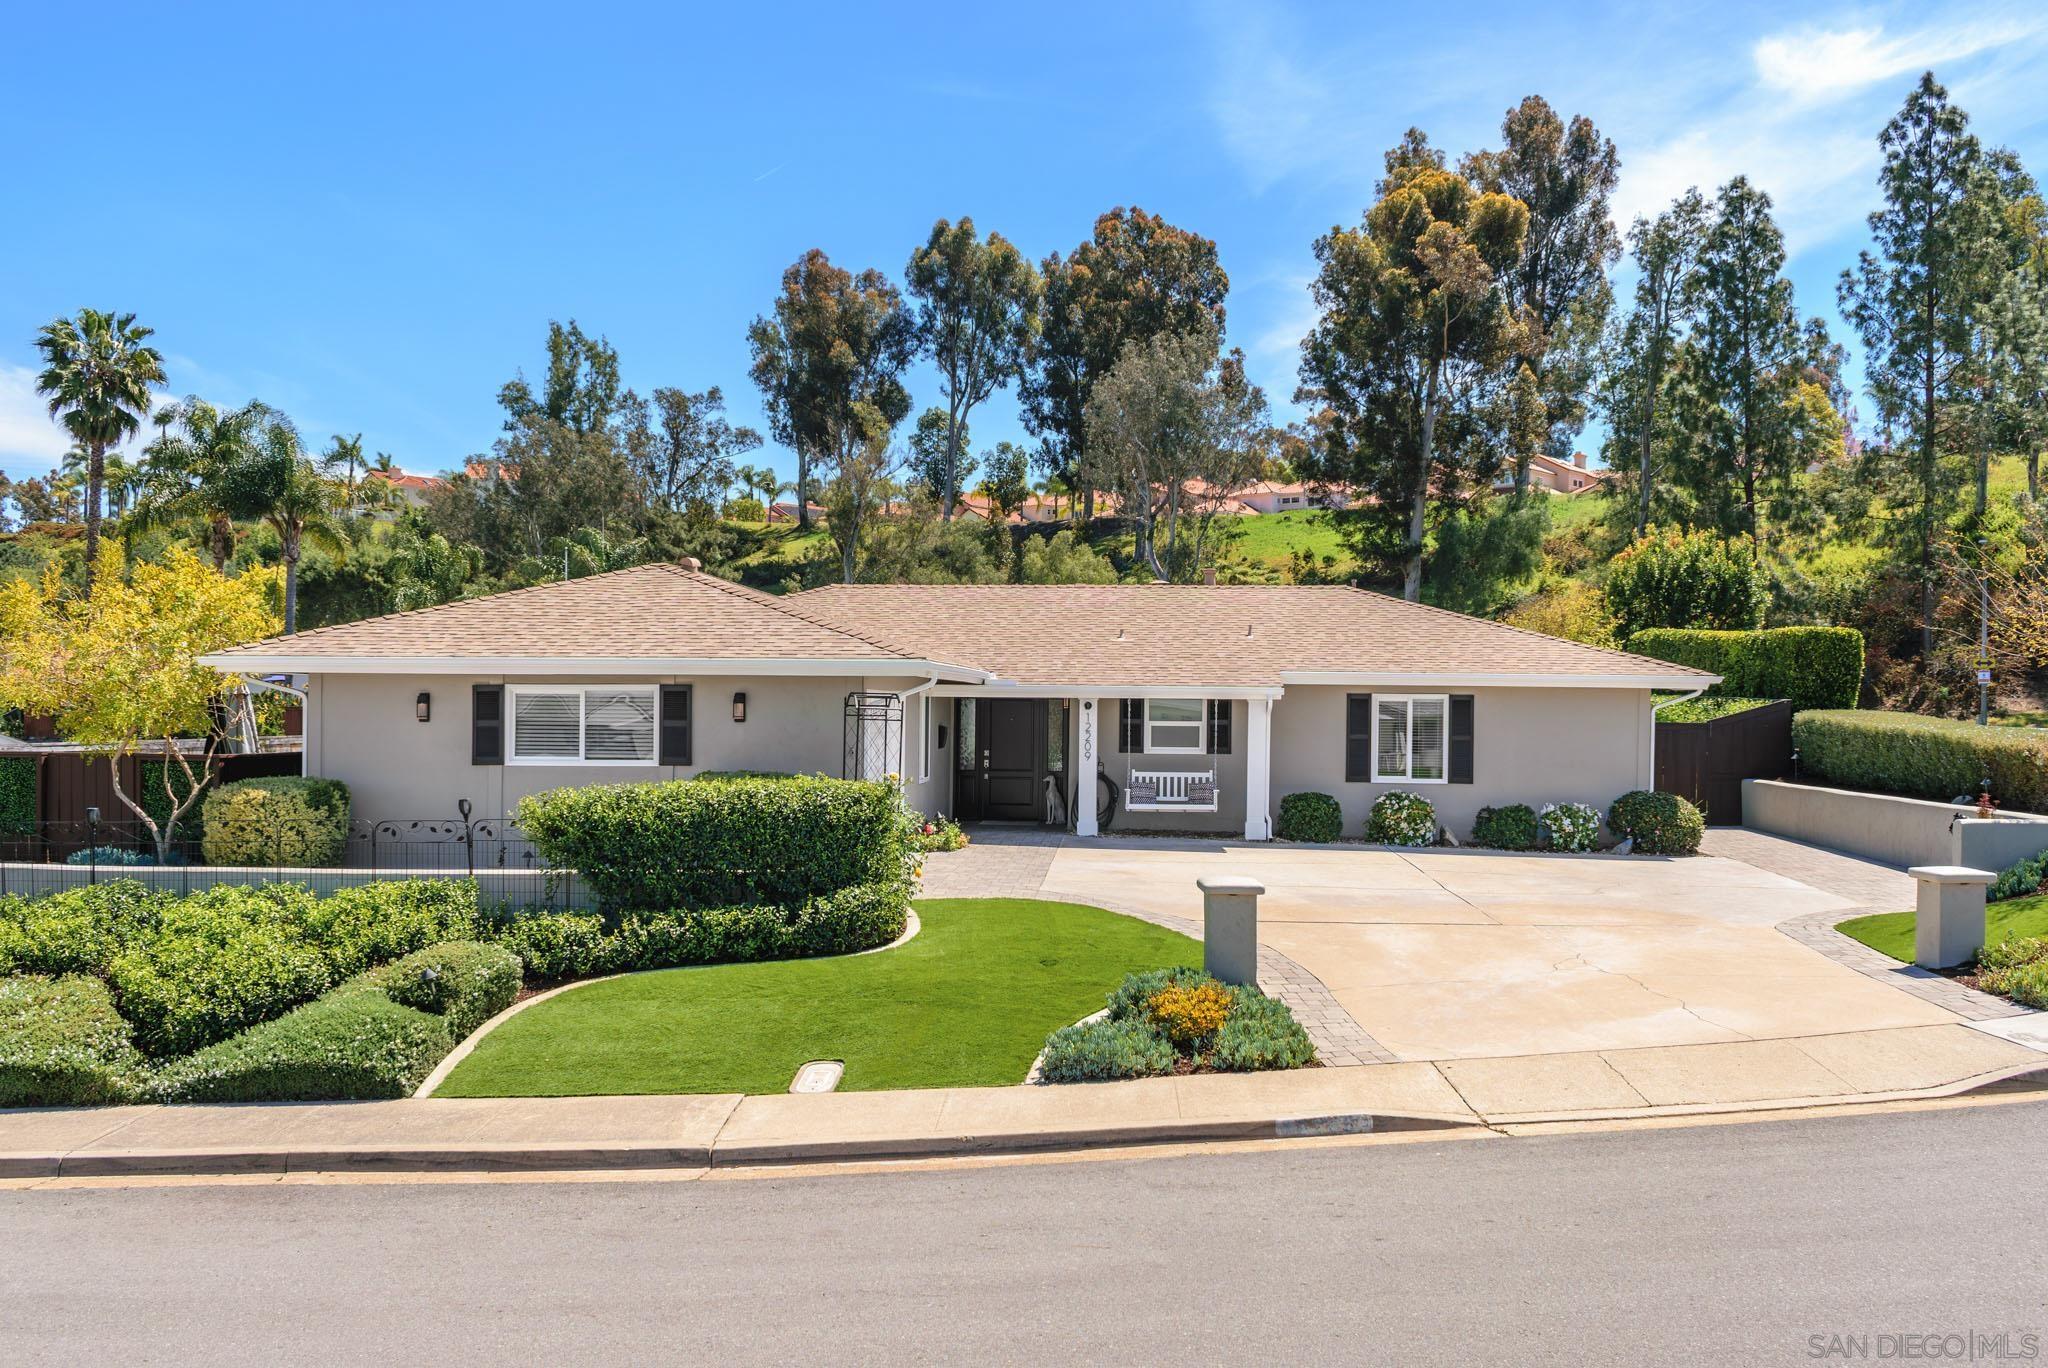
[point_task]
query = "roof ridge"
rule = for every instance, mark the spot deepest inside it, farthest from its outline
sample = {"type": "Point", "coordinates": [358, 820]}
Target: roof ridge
{"type": "Point", "coordinates": [1510, 627]}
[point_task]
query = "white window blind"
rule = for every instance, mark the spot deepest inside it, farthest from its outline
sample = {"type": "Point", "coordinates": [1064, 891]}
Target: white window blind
{"type": "Point", "coordinates": [603, 724]}
{"type": "Point", "coordinates": [1410, 737]}
{"type": "Point", "coordinates": [547, 726]}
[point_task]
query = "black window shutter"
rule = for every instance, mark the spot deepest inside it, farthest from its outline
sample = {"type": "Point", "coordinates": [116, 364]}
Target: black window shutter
{"type": "Point", "coordinates": [1219, 726]}
{"type": "Point", "coordinates": [675, 724]}
{"type": "Point", "coordinates": [1461, 738]}
{"type": "Point", "coordinates": [1130, 726]}
{"type": "Point", "coordinates": [487, 724]}
{"type": "Point", "coordinates": [1358, 738]}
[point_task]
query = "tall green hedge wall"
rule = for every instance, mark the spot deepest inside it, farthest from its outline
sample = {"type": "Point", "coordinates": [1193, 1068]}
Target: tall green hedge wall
{"type": "Point", "coordinates": [1924, 757]}
{"type": "Point", "coordinates": [17, 795]}
{"type": "Point", "coordinates": [682, 844]}
{"type": "Point", "coordinates": [1815, 667]}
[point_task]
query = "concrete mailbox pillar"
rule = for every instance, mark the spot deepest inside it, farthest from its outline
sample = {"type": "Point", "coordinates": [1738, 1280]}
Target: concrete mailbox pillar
{"type": "Point", "coordinates": [1948, 922]}
{"type": "Point", "coordinates": [1230, 927]}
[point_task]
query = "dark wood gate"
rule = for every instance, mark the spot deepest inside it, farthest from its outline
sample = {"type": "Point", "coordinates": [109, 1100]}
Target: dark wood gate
{"type": "Point", "coordinates": [1706, 762]}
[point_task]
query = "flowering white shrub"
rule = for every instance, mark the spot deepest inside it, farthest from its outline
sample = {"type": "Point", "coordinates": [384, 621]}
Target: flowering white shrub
{"type": "Point", "coordinates": [1402, 819]}
{"type": "Point", "coordinates": [1570, 826]}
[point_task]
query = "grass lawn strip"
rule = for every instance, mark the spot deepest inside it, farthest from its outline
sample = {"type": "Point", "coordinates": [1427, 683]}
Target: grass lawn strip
{"type": "Point", "coordinates": [1891, 933]}
{"type": "Point", "coordinates": [966, 1003]}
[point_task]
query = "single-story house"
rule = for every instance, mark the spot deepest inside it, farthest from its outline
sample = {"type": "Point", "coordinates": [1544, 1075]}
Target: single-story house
{"type": "Point", "coordinates": [1557, 477]}
{"type": "Point", "coordinates": [1203, 705]}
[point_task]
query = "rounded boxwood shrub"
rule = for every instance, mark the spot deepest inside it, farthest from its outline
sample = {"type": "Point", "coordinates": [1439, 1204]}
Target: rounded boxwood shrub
{"type": "Point", "coordinates": [1402, 819]}
{"type": "Point", "coordinates": [1570, 826]}
{"type": "Point", "coordinates": [279, 822]}
{"type": "Point", "coordinates": [1658, 823]}
{"type": "Point", "coordinates": [1313, 817]}
{"type": "Point", "coordinates": [1506, 828]}
{"type": "Point", "coordinates": [62, 1044]}
{"type": "Point", "coordinates": [739, 841]}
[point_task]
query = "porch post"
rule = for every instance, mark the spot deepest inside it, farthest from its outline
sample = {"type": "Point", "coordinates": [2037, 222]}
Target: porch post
{"type": "Point", "coordinates": [1085, 754]}
{"type": "Point", "coordinates": [1258, 770]}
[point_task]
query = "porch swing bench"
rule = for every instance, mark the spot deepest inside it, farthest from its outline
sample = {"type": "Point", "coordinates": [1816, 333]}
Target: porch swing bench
{"type": "Point", "coordinates": [1170, 791]}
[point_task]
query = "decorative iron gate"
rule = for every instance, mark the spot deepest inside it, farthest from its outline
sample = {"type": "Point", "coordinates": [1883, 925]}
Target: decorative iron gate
{"type": "Point", "coordinates": [873, 735]}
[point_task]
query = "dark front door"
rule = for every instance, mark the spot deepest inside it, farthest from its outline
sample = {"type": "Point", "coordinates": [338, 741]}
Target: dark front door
{"type": "Point", "coordinates": [1002, 778]}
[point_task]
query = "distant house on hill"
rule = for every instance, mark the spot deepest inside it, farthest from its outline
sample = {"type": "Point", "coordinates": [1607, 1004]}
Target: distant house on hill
{"type": "Point", "coordinates": [1558, 477]}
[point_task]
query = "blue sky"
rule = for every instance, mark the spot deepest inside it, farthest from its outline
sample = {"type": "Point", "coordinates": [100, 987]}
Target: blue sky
{"type": "Point", "coordinates": [366, 215]}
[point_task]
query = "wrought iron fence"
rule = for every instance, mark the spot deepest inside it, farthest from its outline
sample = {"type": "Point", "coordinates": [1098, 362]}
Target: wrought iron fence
{"type": "Point", "coordinates": [507, 867]}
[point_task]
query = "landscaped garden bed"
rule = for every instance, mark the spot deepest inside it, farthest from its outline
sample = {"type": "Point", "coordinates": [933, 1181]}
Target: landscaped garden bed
{"type": "Point", "coordinates": [1178, 1021]}
{"type": "Point", "coordinates": [966, 1002]}
{"type": "Point", "coordinates": [2014, 960]}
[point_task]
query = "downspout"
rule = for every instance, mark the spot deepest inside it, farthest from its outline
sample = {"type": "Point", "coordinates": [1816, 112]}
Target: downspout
{"type": "Point", "coordinates": [926, 722]}
{"type": "Point", "coordinates": [1654, 710]}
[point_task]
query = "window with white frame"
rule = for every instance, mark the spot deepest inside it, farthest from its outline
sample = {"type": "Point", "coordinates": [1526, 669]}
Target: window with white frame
{"type": "Point", "coordinates": [1408, 741]}
{"type": "Point", "coordinates": [597, 724]}
{"type": "Point", "coordinates": [1173, 726]}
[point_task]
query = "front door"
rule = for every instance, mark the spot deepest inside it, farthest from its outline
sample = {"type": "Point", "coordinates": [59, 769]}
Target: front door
{"type": "Point", "coordinates": [1002, 778]}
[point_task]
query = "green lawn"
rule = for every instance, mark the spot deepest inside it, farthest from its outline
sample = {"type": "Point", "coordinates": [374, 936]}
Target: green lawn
{"type": "Point", "coordinates": [967, 1002]}
{"type": "Point", "coordinates": [1892, 932]}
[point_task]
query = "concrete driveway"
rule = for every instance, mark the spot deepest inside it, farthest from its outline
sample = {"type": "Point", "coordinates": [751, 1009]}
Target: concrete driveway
{"type": "Point", "coordinates": [1457, 954]}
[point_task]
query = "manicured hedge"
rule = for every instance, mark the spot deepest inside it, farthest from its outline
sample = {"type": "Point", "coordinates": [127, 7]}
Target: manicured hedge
{"type": "Point", "coordinates": [286, 821]}
{"type": "Point", "coordinates": [683, 844]}
{"type": "Point", "coordinates": [79, 931]}
{"type": "Point", "coordinates": [1815, 667]}
{"type": "Point", "coordinates": [17, 795]}
{"type": "Point", "coordinates": [1924, 757]}
{"type": "Point", "coordinates": [1313, 817]}
{"type": "Point", "coordinates": [353, 1043]}
{"type": "Point", "coordinates": [566, 945]}
{"type": "Point", "coordinates": [62, 1044]}
{"type": "Point", "coordinates": [1658, 823]}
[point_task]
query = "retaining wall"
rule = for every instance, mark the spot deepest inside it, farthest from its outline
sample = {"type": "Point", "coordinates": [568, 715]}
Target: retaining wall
{"type": "Point", "coordinates": [1898, 831]}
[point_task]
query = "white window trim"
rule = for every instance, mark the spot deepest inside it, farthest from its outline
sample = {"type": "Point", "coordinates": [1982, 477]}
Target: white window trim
{"type": "Point", "coordinates": [513, 693]}
{"type": "Point", "coordinates": [1200, 724]}
{"type": "Point", "coordinates": [1411, 700]}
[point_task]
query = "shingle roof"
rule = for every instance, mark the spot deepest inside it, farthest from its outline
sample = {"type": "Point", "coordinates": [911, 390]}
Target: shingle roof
{"type": "Point", "coordinates": [1238, 635]}
{"type": "Point", "coordinates": [647, 612]}
{"type": "Point", "coordinates": [1134, 635]}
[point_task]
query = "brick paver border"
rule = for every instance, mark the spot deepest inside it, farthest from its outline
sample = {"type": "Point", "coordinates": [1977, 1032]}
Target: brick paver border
{"type": "Point", "coordinates": [1816, 931]}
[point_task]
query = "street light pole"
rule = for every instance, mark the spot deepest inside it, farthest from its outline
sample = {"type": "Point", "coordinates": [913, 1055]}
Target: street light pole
{"type": "Point", "coordinates": [1983, 634]}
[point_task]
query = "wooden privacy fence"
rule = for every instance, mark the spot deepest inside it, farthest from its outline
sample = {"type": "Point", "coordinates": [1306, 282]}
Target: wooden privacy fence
{"type": "Point", "coordinates": [68, 783]}
{"type": "Point", "coordinates": [1706, 762]}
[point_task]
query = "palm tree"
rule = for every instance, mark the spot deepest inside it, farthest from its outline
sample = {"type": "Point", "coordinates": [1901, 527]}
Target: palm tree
{"type": "Point", "coordinates": [345, 455]}
{"type": "Point", "coordinates": [191, 469]}
{"type": "Point", "coordinates": [283, 487]}
{"type": "Point", "coordinates": [97, 374]}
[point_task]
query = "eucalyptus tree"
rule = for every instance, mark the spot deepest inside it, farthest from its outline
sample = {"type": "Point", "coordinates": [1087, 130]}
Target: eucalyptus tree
{"type": "Point", "coordinates": [829, 361]}
{"type": "Point", "coordinates": [1648, 339]}
{"type": "Point", "coordinates": [1565, 173]}
{"type": "Point", "coordinates": [681, 447]}
{"type": "Point", "coordinates": [1137, 277]}
{"type": "Point", "coordinates": [977, 316]}
{"type": "Point", "coordinates": [98, 370]}
{"type": "Point", "coordinates": [1408, 357]}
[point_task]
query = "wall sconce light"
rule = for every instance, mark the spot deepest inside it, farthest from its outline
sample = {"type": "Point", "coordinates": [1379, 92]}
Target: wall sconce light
{"type": "Point", "coordinates": [739, 707]}
{"type": "Point", "coordinates": [423, 706]}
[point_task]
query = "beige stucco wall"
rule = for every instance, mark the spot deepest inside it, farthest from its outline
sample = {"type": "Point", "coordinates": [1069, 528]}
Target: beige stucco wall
{"type": "Point", "coordinates": [1531, 746]}
{"type": "Point", "coordinates": [361, 730]}
{"type": "Point", "coordinates": [1229, 813]}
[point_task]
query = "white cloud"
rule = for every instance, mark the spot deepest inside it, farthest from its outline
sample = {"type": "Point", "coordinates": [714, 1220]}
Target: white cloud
{"type": "Point", "coordinates": [1812, 64]}
{"type": "Point", "coordinates": [29, 442]}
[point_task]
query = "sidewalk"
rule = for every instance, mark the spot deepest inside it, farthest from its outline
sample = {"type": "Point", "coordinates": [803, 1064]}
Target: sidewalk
{"type": "Point", "coordinates": [587, 1133]}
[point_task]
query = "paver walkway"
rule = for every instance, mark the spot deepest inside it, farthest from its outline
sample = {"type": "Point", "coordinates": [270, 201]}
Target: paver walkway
{"type": "Point", "coordinates": [1866, 883]}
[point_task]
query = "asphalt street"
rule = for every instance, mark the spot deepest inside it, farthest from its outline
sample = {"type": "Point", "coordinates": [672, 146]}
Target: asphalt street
{"type": "Point", "coordinates": [1713, 1244]}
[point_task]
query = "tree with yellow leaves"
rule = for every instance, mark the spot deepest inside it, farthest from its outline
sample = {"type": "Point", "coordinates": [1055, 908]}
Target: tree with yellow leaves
{"type": "Point", "coordinates": [120, 671]}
